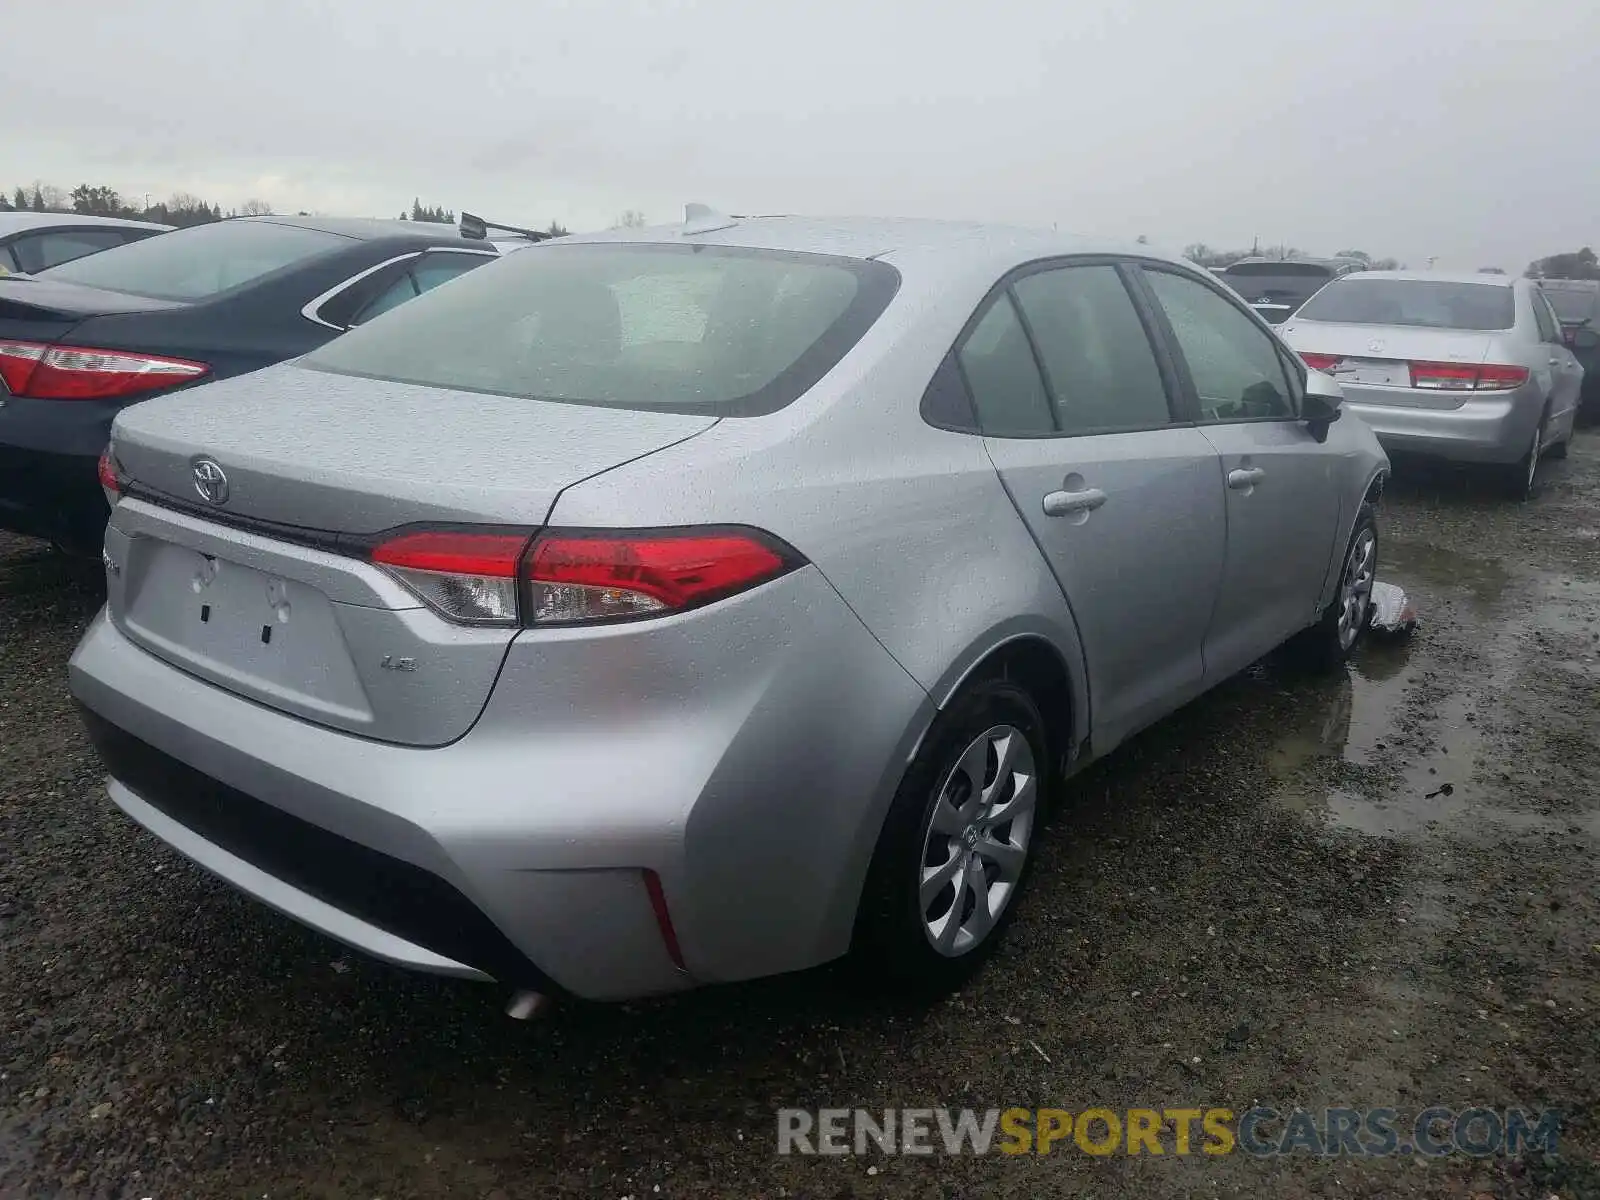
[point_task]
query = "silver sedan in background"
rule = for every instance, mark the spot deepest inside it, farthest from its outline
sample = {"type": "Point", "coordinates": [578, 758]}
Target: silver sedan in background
{"type": "Point", "coordinates": [1469, 367]}
{"type": "Point", "coordinates": [693, 604]}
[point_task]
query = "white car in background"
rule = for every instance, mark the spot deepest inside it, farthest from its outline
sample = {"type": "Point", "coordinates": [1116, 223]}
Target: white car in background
{"type": "Point", "coordinates": [36, 241]}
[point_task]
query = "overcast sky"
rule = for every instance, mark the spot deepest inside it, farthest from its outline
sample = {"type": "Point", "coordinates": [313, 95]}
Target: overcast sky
{"type": "Point", "coordinates": [1392, 126]}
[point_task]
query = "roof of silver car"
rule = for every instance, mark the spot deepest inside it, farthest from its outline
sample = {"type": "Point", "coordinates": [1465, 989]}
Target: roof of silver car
{"type": "Point", "coordinates": [15, 220]}
{"type": "Point", "coordinates": [1440, 277]}
{"type": "Point", "coordinates": [876, 237]}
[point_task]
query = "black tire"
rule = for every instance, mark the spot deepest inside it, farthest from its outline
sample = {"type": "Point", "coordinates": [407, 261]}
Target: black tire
{"type": "Point", "coordinates": [1559, 451]}
{"type": "Point", "coordinates": [894, 943]}
{"type": "Point", "coordinates": [1328, 645]}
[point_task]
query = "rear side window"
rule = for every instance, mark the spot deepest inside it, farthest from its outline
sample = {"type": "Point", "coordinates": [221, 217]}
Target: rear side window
{"type": "Point", "coordinates": [1003, 376]}
{"type": "Point", "coordinates": [393, 296]}
{"type": "Point", "coordinates": [434, 269]}
{"type": "Point", "coordinates": [696, 329]}
{"type": "Point", "coordinates": [194, 263]}
{"type": "Point", "coordinates": [1099, 367]}
{"type": "Point", "coordinates": [1425, 303]}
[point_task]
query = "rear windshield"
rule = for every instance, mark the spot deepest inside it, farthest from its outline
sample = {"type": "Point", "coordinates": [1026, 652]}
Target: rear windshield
{"type": "Point", "coordinates": [691, 329]}
{"type": "Point", "coordinates": [1307, 272]}
{"type": "Point", "coordinates": [1420, 302]}
{"type": "Point", "coordinates": [1276, 282]}
{"type": "Point", "coordinates": [1572, 304]}
{"type": "Point", "coordinates": [193, 263]}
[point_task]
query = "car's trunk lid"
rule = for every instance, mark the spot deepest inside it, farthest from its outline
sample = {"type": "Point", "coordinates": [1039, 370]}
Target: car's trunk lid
{"type": "Point", "coordinates": [1373, 362]}
{"type": "Point", "coordinates": [268, 593]}
{"type": "Point", "coordinates": [330, 452]}
{"type": "Point", "coordinates": [33, 308]}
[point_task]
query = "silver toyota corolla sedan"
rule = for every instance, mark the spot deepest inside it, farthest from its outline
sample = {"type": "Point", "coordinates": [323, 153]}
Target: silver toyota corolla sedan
{"type": "Point", "coordinates": [1469, 367]}
{"type": "Point", "coordinates": [684, 605]}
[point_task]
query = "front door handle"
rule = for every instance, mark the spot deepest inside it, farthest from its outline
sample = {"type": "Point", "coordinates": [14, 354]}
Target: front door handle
{"type": "Point", "coordinates": [1061, 504]}
{"type": "Point", "coordinates": [1242, 479]}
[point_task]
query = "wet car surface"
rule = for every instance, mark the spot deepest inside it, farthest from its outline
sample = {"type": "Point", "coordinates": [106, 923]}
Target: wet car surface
{"type": "Point", "coordinates": [1375, 889]}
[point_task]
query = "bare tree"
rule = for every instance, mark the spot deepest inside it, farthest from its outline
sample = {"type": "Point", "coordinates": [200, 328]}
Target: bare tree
{"type": "Point", "coordinates": [255, 208]}
{"type": "Point", "coordinates": [49, 198]}
{"type": "Point", "coordinates": [631, 219]}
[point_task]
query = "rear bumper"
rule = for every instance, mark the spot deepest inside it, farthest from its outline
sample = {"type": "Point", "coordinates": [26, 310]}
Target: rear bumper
{"type": "Point", "coordinates": [48, 456]}
{"type": "Point", "coordinates": [754, 792]}
{"type": "Point", "coordinates": [1483, 429]}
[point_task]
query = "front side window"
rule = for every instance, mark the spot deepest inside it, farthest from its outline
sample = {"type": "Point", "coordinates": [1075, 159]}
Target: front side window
{"type": "Point", "coordinates": [1235, 365]}
{"type": "Point", "coordinates": [200, 261]}
{"type": "Point", "coordinates": [1098, 364]}
{"type": "Point", "coordinates": [1003, 376]}
{"type": "Point", "coordinates": [714, 330]}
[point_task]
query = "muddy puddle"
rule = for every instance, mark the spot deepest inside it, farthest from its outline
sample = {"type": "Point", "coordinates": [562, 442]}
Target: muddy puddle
{"type": "Point", "coordinates": [1400, 743]}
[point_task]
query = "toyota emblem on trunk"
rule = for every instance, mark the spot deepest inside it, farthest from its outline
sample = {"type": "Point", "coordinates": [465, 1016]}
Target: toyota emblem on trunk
{"type": "Point", "coordinates": [210, 481]}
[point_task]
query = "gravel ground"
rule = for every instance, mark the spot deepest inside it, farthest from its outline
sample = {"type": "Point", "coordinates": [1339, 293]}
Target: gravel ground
{"type": "Point", "coordinates": [1377, 889]}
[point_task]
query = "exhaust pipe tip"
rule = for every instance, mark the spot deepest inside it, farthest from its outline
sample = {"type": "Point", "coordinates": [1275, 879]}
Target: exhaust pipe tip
{"type": "Point", "coordinates": [525, 1005]}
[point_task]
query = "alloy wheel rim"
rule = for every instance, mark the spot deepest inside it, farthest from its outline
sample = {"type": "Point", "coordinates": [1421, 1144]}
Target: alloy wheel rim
{"type": "Point", "coordinates": [1355, 589]}
{"type": "Point", "coordinates": [977, 841]}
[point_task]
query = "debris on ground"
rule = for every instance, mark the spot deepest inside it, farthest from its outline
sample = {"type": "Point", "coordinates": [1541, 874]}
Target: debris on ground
{"type": "Point", "coordinates": [1392, 610]}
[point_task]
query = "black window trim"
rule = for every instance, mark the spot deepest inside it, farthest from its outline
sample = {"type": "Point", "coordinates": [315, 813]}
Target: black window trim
{"type": "Point", "coordinates": [1180, 407]}
{"type": "Point", "coordinates": [1289, 362]}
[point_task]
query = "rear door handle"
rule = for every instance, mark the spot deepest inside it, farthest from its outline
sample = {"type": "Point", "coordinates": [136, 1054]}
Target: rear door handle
{"type": "Point", "coordinates": [1061, 504]}
{"type": "Point", "coordinates": [1242, 479]}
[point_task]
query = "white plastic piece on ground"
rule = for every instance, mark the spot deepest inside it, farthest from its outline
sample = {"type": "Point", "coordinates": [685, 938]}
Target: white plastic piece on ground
{"type": "Point", "coordinates": [1391, 611]}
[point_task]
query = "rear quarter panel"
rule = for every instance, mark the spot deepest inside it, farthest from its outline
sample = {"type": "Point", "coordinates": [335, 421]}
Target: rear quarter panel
{"type": "Point", "coordinates": [909, 524]}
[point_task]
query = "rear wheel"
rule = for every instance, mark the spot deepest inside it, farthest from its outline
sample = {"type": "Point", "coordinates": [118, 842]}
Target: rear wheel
{"type": "Point", "coordinates": [1328, 643]}
{"type": "Point", "coordinates": [1518, 477]}
{"type": "Point", "coordinates": [957, 845]}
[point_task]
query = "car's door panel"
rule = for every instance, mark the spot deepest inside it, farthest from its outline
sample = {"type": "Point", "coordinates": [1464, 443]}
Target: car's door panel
{"type": "Point", "coordinates": [1564, 371]}
{"type": "Point", "coordinates": [1282, 487]}
{"type": "Point", "coordinates": [1131, 520]}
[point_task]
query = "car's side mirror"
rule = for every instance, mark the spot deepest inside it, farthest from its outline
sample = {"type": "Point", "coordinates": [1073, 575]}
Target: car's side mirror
{"type": "Point", "coordinates": [1584, 338]}
{"type": "Point", "coordinates": [1321, 406]}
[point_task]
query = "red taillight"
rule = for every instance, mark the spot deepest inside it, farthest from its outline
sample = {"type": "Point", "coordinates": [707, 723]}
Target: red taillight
{"type": "Point", "coordinates": [38, 371]}
{"type": "Point", "coordinates": [1492, 377]}
{"type": "Point", "coordinates": [110, 477]}
{"type": "Point", "coordinates": [575, 577]}
{"type": "Point", "coordinates": [467, 576]}
{"type": "Point", "coordinates": [658, 904]}
{"type": "Point", "coordinates": [1319, 362]}
{"type": "Point", "coordinates": [578, 577]}
{"type": "Point", "coordinates": [1466, 377]}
